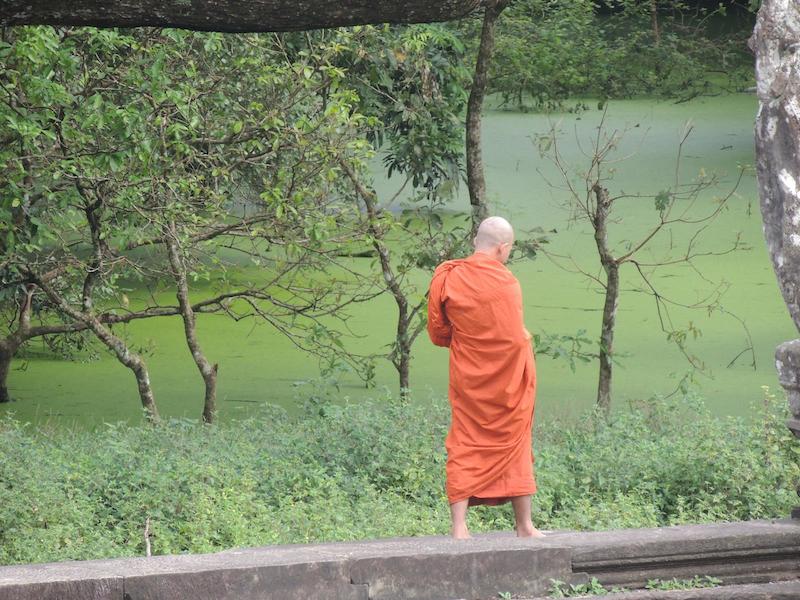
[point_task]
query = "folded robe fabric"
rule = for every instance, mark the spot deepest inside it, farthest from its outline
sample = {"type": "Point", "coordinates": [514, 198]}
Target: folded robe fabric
{"type": "Point", "coordinates": [475, 309]}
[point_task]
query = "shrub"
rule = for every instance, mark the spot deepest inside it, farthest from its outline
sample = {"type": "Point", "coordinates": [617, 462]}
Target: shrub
{"type": "Point", "coordinates": [372, 469]}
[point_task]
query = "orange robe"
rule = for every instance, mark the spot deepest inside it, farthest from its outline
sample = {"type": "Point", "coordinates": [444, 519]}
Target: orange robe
{"type": "Point", "coordinates": [475, 309]}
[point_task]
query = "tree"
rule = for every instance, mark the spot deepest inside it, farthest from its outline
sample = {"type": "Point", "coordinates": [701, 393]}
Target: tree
{"type": "Point", "coordinates": [133, 151]}
{"type": "Point", "coordinates": [550, 51]}
{"type": "Point", "coordinates": [255, 179]}
{"type": "Point", "coordinates": [411, 82]}
{"type": "Point", "coordinates": [441, 243]}
{"type": "Point", "coordinates": [777, 135]}
{"type": "Point", "coordinates": [46, 175]}
{"type": "Point", "coordinates": [671, 48]}
{"type": "Point", "coordinates": [477, 95]}
{"type": "Point", "coordinates": [543, 51]}
{"type": "Point", "coordinates": [681, 205]}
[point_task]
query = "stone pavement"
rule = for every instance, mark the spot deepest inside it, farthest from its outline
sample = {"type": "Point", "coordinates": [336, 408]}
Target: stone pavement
{"type": "Point", "coordinates": [429, 568]}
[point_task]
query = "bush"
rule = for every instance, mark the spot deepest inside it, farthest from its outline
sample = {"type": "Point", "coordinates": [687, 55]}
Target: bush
{"type": "Point", "coordinates": [370, 470]}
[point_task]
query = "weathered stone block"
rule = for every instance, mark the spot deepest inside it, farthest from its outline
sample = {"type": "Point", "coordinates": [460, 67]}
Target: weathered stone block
{"type": "Point", "coordinates": [85, 589]}
{"type": "Point", "coordinates": [87, 580]}
{"type": "Point", "coordinates": [462, 573]}
{"type": "Point", "coordinates": [309, 581]}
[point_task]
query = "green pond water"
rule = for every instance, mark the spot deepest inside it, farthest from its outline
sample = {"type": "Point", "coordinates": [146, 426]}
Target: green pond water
{"type": "Point", "coordinates": [258, 365]}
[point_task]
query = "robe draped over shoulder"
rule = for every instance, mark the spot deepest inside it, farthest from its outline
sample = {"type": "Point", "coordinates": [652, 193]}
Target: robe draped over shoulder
{"type": "Point", "coordinates": [475, 309]}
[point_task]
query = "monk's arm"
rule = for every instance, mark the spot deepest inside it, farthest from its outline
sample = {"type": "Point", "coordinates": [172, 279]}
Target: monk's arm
{"type": "Point", "coordinates": [439, 328]}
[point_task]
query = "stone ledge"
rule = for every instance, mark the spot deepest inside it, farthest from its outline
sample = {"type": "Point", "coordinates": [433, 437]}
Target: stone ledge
{"type": "Point", "coordinates": [421, 568]}
{"type": "Point", "coordinates": [427, 567]}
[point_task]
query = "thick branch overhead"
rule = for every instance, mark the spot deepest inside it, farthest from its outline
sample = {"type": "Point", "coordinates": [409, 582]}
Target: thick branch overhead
{"type": "Point", "coordinates": [230, 15]}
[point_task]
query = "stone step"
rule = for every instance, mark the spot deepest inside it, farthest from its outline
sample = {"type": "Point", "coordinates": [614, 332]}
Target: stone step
{"type": "Point", "coordinates": [784, 590]}
{"type": "Point", "coordinates": [748, 552]}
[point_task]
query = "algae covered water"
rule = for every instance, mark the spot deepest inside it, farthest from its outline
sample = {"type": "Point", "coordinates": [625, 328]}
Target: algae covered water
{"type": "Point", "coordinates": [258, 365]}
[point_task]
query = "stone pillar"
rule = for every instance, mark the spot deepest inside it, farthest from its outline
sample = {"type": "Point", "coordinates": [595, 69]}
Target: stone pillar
{"type": "Point", "coordinates": [776, 43]}
{"type": "Point", "coordinates": [787, 361]}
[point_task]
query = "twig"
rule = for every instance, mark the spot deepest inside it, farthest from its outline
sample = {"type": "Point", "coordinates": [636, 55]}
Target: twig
{"type": "Point", "coordinates": [147, 549]}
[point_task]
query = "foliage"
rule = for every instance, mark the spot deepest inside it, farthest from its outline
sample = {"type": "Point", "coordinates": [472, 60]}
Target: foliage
{"type": "Point", "coordinates": [230, 147]}
{"type": "Point", "coordinates": [551, 50]}
{"type": "Point", "coordinates": [679, 51]}
{"type": "Point", "coordinates": [569, 347]}
{"type": "Point", "coordinates": [544, 50]}
{"type": "Point", "coordinates": [339, 472]}
{"type": "Point", "coordinates": [150, 126]}
{"type": "Point", "coordinates": [683, 584]}
{"type": "Point", "coordinates": [560, 589]}
{"type": "Point", "coordinates": [412, 82]}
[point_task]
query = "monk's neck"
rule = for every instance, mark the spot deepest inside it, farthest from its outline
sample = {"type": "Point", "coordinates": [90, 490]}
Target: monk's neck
{"type": "Point", "coordinates": [480, 254]}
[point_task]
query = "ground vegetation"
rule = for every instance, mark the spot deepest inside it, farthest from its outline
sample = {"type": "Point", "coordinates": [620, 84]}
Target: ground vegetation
{"type": "Point", "coordinates": [371, 470]}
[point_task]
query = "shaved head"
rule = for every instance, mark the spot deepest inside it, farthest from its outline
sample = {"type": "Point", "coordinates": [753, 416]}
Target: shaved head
{"type": "Point", "coordinates": [495, 238]}
{"type": "Point", "coordinates": [493, 232]}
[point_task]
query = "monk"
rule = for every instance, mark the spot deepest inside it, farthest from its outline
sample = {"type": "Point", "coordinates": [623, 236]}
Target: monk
{"type": "Point", "coordinates": [475, 309]}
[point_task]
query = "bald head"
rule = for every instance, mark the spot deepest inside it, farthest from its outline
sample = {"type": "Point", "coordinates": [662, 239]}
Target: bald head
{"type": "Point", "coordinates": [495, 237]}
{"type": "Point", "coordinates": [492, 232]}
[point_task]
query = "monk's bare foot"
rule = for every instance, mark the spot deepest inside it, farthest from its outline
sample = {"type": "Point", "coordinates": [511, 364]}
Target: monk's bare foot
{"type": "Point", "coordinates": [529, 532]}
{"type": "Point", "coordinates": [460, 533]}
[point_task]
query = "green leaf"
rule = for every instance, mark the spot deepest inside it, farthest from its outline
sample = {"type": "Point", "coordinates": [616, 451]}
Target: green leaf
{"type": "Point", "coordinates": [662, 200]}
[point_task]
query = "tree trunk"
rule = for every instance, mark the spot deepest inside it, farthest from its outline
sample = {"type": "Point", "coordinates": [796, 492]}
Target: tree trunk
{"type": "Point", "coordinates": [10, 345]}
{"type": "Point", "coordinates": [6, 354]}
{"type": "Point", "coordinates": [136, 364]}
{"type": "Point", "coordinates": [475, 177]}
{"type": "Point", "coordinates": [611, 268]}
{"type": "Point", "coordinates": [207, 371]}
{"type": "Point", "coordinates": [92, 208]}
{"type": "Point", "coordinates": [654, 21]}
{"type": "Point", "coordinates": [401, 355]}
{"type": "Point", "coordinates": [607, 337]}
{"type": "Point", "coordinates": [777, 132]}
{"type": "Point", "coordinates": [404, 370]}
{"type": "Point", "coordinates": [230, 15]}
{"type": "Point", "coordinates": [776, 43]}
{"type": "Point", "coordinates": [130, 359]}
{"type": "Point", "coordinates": [402, 361]}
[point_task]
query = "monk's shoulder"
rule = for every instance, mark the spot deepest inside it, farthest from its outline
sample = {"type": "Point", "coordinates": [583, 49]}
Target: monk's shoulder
{"type": "Point", "coordinates": [507, 283]}
{"type": "Point", "coordinates": [447, 266]}
{"type": "Point", "coordinates": [504, 274]}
